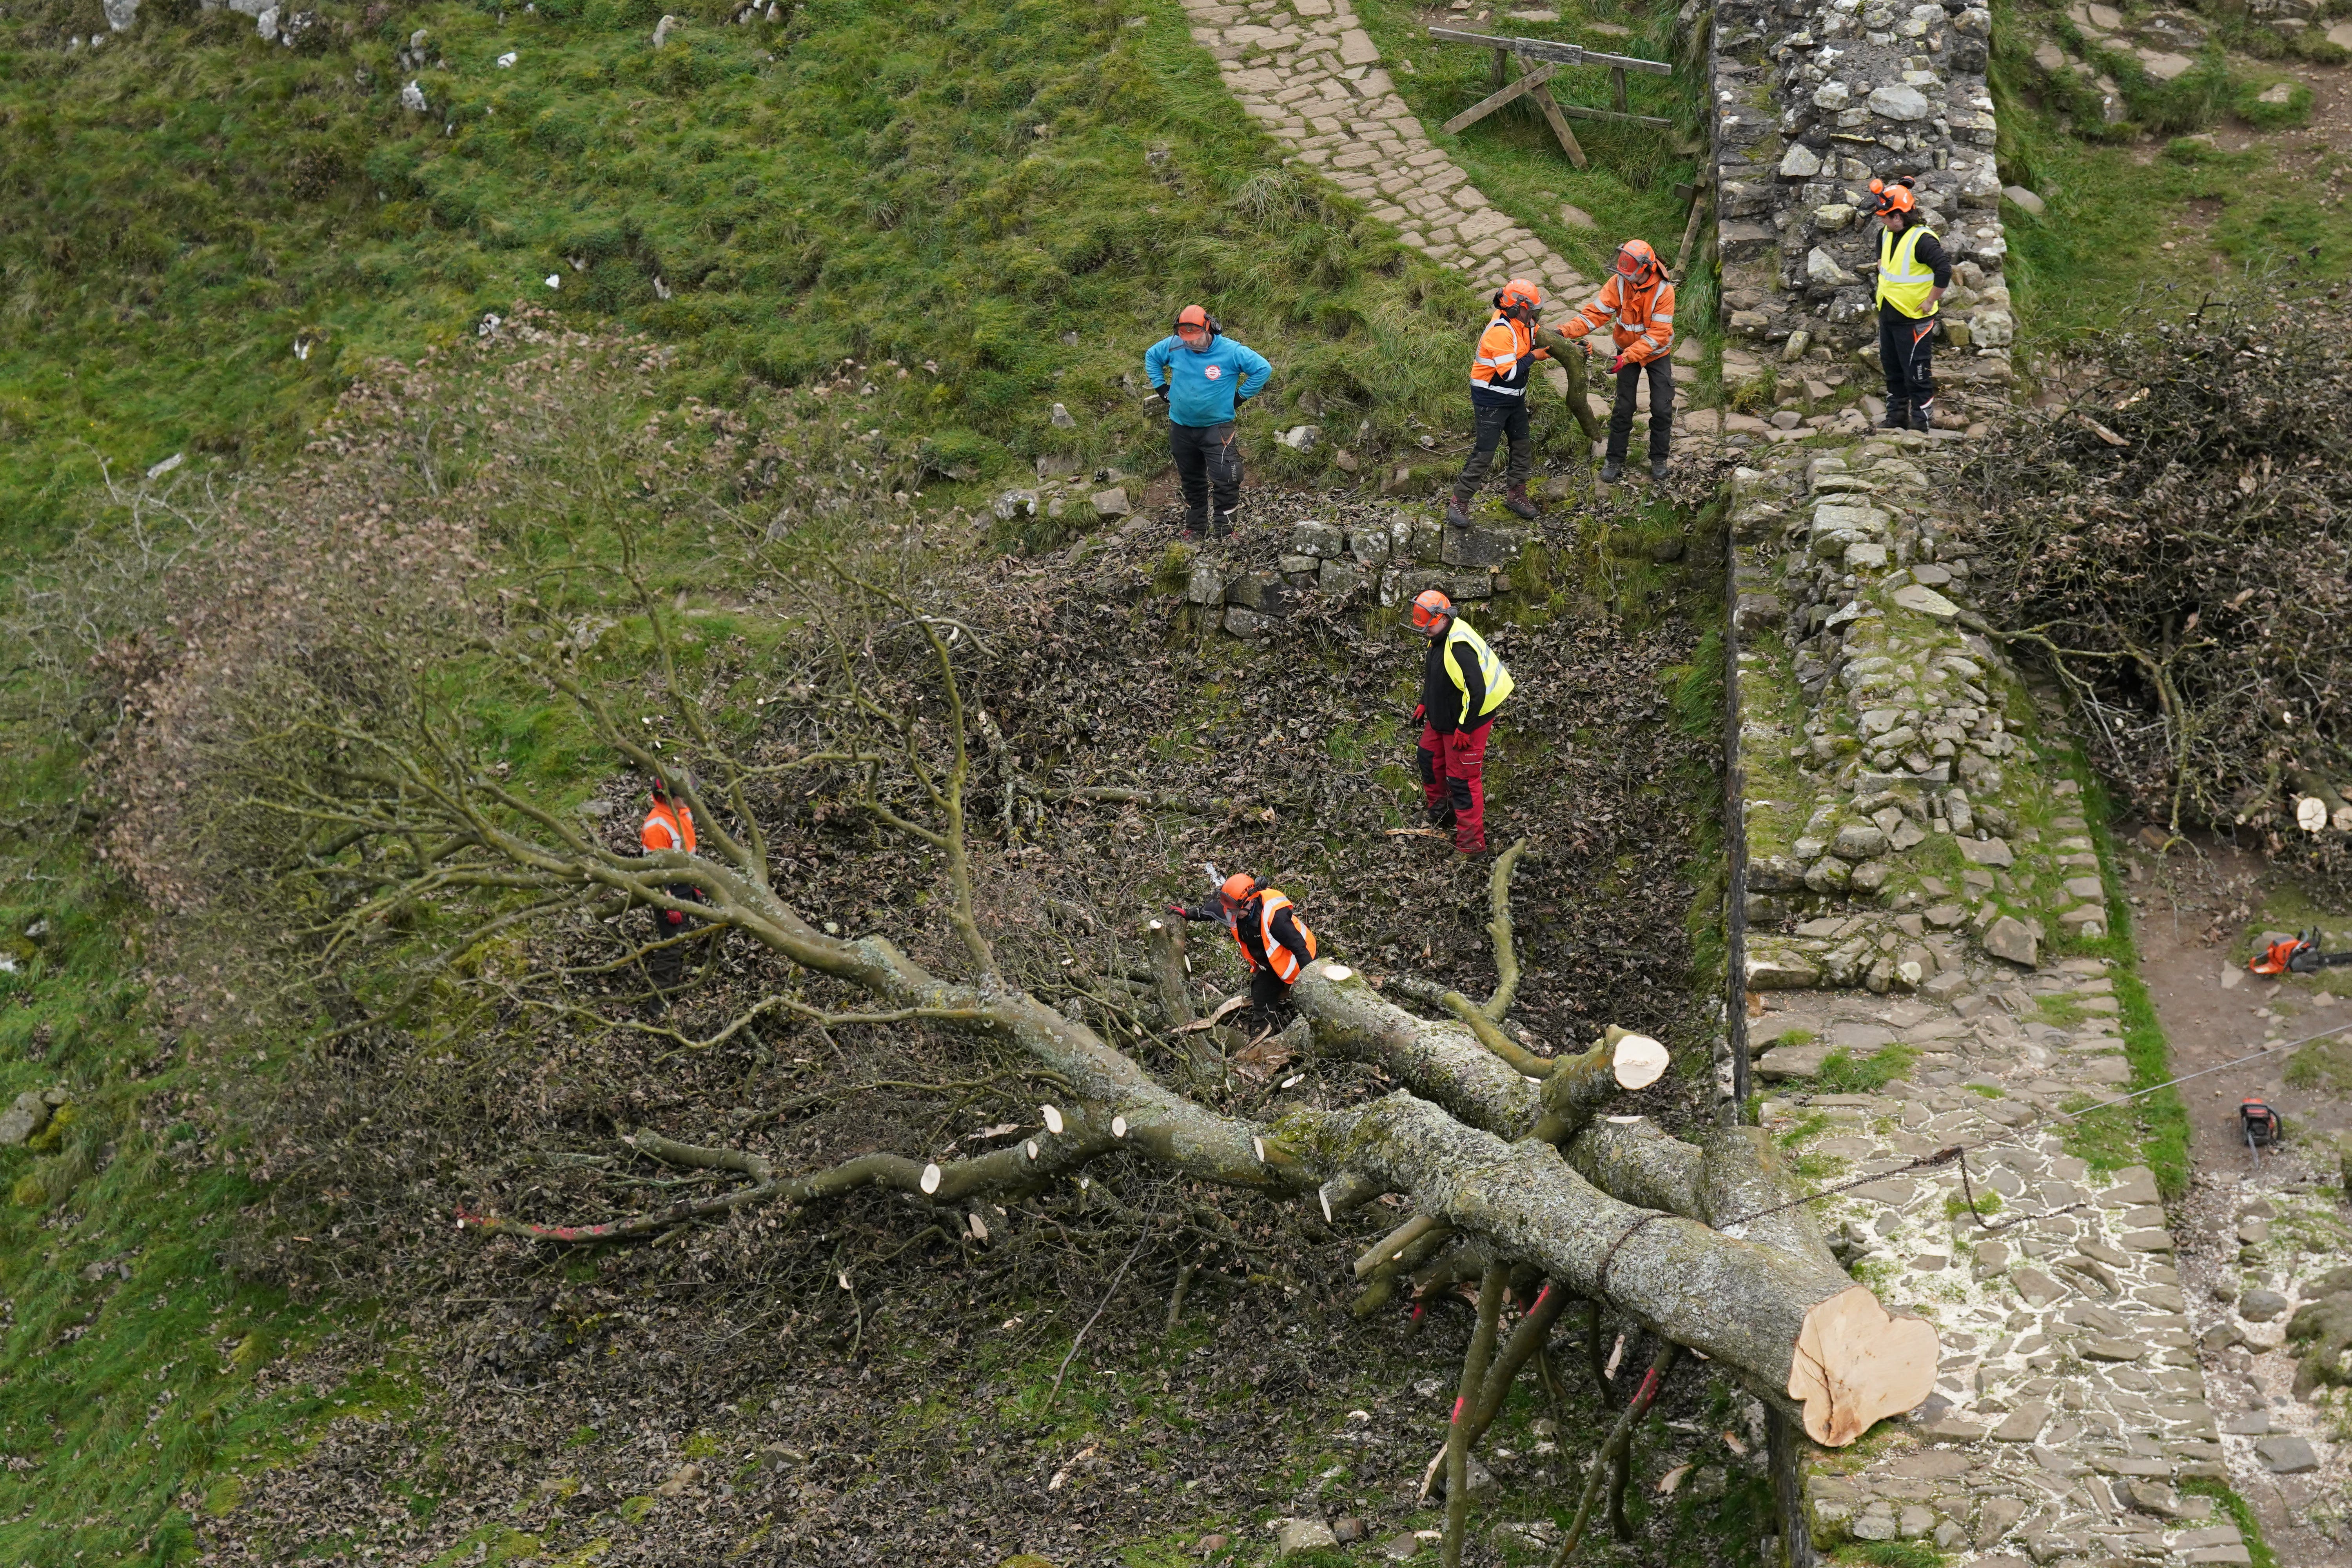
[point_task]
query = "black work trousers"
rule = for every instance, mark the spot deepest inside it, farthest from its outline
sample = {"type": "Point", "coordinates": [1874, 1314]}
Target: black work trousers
{"type": "Point", "coordinates": [667, 964]}
{"type": "Point", "coordinates": [1496, 423]}
{"type": "Point", "coordinates": [1209, 466]}
{"type": "Point", "coordinates": [1662, 409]}
{"type": "Point", "coordinates": [1907, 352]}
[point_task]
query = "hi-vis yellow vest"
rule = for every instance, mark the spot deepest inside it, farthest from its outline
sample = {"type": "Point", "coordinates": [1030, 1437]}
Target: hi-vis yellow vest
{"type": "Point", "coordinates": [1490, 669]}
{"type": "Point", "coordinates": [1901, 282]}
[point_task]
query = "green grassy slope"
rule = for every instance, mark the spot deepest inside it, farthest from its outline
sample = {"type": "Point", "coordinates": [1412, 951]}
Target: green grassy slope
{"type": "Point", "coordinates": [957, 189]}
{"type": "Point", "coordinates": [2136, 224]}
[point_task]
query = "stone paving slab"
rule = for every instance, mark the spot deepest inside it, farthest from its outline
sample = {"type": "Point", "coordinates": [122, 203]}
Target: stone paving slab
{"type": "Point", "coordinates": [1308, 72]}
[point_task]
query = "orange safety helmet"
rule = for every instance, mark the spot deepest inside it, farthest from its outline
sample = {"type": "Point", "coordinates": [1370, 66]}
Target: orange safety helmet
{"type": "Point", "coordinates": [1635, 260]}
{"type": "Point", "coordinates": [1893, 198]}
{"type": "Point", "coordinates": [1518, 292]}
{"type": "Point", "coordinates": [1429, 607]}
{"type": "Point", "coordinates": [1195, 316]}
{"type": "Point", "coordinates": [1239, 889]}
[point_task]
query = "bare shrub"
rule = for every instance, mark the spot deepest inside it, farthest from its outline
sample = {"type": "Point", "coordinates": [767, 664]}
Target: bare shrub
{"type": "Point", "coordinates": [2176, 545]}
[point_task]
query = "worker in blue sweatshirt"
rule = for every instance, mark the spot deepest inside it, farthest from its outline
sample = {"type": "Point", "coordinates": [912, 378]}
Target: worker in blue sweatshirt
{"type": "Point", "coordinates": [1205, 377]}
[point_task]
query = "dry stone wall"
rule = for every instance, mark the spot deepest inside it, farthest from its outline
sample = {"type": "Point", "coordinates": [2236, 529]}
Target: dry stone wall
{"type": "Point", "coordinates": [1812, 99]}
{"type": "Point", "coordinates": [1910, 856]}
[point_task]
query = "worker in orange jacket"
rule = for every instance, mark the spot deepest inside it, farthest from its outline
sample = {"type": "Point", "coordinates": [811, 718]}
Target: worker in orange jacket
{"type": "Point", "coordinates": [1498, 400]}
{"type": "Point", "coordinates": [1273, 938]}
{"type": "Point", "coordinates": [1637, 304]}
{"type": "Point", "coordinates": [669, 824]}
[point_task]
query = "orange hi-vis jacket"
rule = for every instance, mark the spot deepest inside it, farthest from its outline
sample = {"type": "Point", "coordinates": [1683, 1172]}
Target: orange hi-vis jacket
{"type": "Point", "coordinates": [1641, 320]}
{"type": "Point", "coordinates": [667, 826]}
{"type": "Point", "coordinates": [1280, 959]}
{"type": "Point", "coordinates": [1505, 348]}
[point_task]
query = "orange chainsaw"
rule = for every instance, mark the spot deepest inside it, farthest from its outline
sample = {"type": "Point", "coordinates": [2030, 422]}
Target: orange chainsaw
{"type": "Point", "coordinates": [2298, 955]}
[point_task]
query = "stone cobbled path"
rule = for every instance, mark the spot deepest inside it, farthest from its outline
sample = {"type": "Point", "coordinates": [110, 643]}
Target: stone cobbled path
{"type": "Point", "coordinates": [1307, 71]}
{"type": "Point", "coordinates": [1909, 859]}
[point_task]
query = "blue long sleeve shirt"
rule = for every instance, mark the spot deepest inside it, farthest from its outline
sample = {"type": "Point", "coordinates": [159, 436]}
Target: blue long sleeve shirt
{"type": "Point", "coordinates": [1202, 386]}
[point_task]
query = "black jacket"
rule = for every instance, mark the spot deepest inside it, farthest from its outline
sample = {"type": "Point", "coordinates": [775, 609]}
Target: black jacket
{"type": "Point", "coordinates": [1442, 701]}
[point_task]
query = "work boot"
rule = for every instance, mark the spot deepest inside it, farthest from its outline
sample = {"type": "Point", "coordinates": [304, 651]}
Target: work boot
{"type": "Point", "coordinates": [1456, 517]}
{"type": "Point", "coordinates": [1440, 817]}
{"type": "Point", "coordinates": [1516, 503]}
{"type": "Point", "coordinates": [1612, 471]}
{"type": "Point", "coordinates": [1220, 526]}
{"type": "Point", "coordinates": [1898, 416]}
{"type": "Point", "coordinates": [1196, 519]}
{"type": "Point", "coordinates": [1657, 468]}
{"type": "Point", "coordinates": [1923, 416]}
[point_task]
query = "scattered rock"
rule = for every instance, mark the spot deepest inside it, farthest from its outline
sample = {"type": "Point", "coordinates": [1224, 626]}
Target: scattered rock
{"type": "Point", "coordinates": [1062, 418]}
{"type": "Point", "coordinates": [1577, 218]}
{"type": "Point", "coordinates": [1348, 1530]}
{"type": "Point", "coordinates": [25, 1118]}
{"type": "Point", "coordinates": [2286, 1455]}
{"type": "Point", "coordinates": [2008, 938]}
{"type": "Point", "coordinates": [2018, 195]}
{"type": "Point", "coordinates": [1994, 853]}
{"type": "Point", "coordinates": [1295, 1535]}
{"type": "Point", "coordinates": [2261, 1305]}
{"type": "Point", "coordinates": [1111, 502]}
{"type": "Point", "coordinates": [412, 99]}
{"type": "Point", "coordinates": [681, 1479]}
{"type": "Point", "coordinates": [662, 27]}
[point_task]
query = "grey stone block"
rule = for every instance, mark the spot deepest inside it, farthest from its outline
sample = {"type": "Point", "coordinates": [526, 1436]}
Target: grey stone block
{"type": "Point", "coordinates": [1479, 547]}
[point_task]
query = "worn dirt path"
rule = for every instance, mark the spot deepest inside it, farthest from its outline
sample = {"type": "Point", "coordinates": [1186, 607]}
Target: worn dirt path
{"type": "Point", "coordinates": [2194, 912]}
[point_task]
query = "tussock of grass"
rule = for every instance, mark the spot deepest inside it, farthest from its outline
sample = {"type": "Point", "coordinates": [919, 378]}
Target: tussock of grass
{"type": "Point", "coordinates": [1843, 1072]}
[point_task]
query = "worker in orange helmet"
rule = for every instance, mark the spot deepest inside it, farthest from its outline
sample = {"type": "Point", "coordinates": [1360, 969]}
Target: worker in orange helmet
{"type": "Point", "coordinates": [1637, 304]}
{"type": "Point", "coordinates": [1913, 273]}
{"type": "Point", "coordinates": [1462, 684]}
{"type": "Point", "coordinates": [1498, 400]}
{"type": "Point", "coordinates": [668, 826]}
{"type": "Point", "coordinates": [1273, 938]}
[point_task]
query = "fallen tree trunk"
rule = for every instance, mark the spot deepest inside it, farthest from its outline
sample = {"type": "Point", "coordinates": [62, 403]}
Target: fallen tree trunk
{"type": "Point", "coordinates": [1800, 1336]}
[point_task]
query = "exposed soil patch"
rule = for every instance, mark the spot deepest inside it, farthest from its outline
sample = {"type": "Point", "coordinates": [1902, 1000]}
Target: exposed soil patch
{"type": "Point", "coordinates": [2199, 913]}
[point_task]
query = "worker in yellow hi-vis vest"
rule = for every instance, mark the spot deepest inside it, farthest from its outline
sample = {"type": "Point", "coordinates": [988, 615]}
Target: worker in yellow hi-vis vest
{"type": "Point", "coordinates": [1913, 273]}
{"type": "Point", "coordinates": [1462, 684]}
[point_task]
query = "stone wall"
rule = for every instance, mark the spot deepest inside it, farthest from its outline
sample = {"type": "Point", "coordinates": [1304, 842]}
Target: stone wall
{"type": "Point", "coordinates": [1910, 854]}
{"type": "Point", "coordinates": [1813, 98]}
{"type": "Point", "coordinates": [1372, 553]}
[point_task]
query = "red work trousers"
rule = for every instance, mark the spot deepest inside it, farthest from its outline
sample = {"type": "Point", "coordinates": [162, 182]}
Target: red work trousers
{"type": "Point", "coordinates": [1457, 778]}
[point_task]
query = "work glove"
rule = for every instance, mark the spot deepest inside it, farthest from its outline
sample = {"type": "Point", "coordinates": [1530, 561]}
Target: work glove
{"type": "Point", "coordinates": [1620, 363]}
{"type": "Point", "coordinates": [1420, 712]}
{"type": "Point", "coordinates": [1459, 741]}
{"type": "Point", "coordinates": [1158, 392]}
